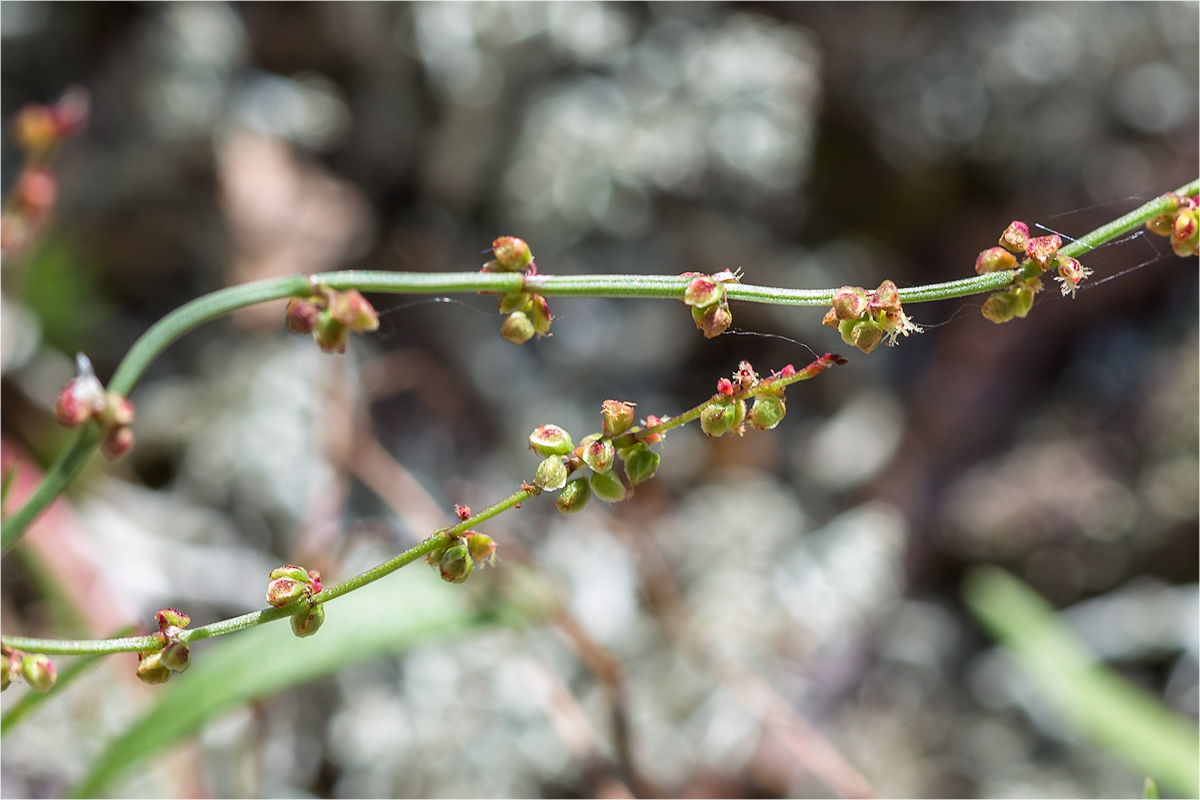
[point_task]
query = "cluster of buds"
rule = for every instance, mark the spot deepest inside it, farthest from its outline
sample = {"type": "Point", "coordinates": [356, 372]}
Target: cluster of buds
{"type": "Point", "coordinates": [38, 129]}
{"type": "Point", "coordinates": [727, 412]}
{"type": "Point", "coordinates": [83, 399]}
{"type": "Point", "coordinates": [295, 586]}
{"type": "Point", "coordinates": [864, 319]}
{"type": "Point", "coordinates": [156, 667]}
{"type": "Point", "coordinates": [457, 560]}
{"type": "Point", "coordinates": [527, 312]}
{"type": "Point", "coordinates": [35, 669]}
{"type": "Point", "coordinates": [1180, 225]}
{"type": "Point", "coordinates": [1041, 252]}
{"type": "Point", "coordinates": [331, 316]}
{"type": "Point", "coordinates": [710, 307]}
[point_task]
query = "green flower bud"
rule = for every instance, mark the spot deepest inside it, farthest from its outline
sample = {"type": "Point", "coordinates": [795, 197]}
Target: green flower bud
{"type": "Point", "coordinates": [151, 669]}
{"type": "Point", "coordinates": [170, 618]}
{"type": "Point", "coordinates": [599, 453]}
{"type": "Point", "coordinates": [607, 486]}
{"type": "Point", "coordinates": [351, 309]}
{"type": "Point", "coordinates": [713, 320]}
{"type": "Point", "coordinates": [308, 620]}
{"type": "Point", "coordinates": [175, 656]}
{"type": "Point", "coordinates": [515, 301]}
{"type": "Point", "coordinates": [38, 671]}
{"type": "Point", "coordinates": [703, 291]}
{"type": "Point", "coordinates": [573, 497]}
{"type": "Point", "coordinates": [995, 259]}
{"type": "Point", "coordinates": [282, 592]}
{"type": "Point", "coordinates": [482, 548]}
{"type": "Point", "coordinates": [739, 416]}
{"type": "Point", "coordinates": [550, 440]}
{"type": "Point", "coordinates": [849, 302]}
{"type": "Point", "coordinates": [640, 463]}
{"type": "Point", "coordinates": [551, 473]}
{"type": "Point", "coordinates": [517, 328]}
{"type": "Point", "coordinates": [456, 564]}
{"type": "Point", "coordinates": [1000, 306]}
{"type": "Point", "coordinates": [616, 417]}
{"type": "Point", "coordinates": [329, 334]}
{"type": "Point", "coordinates": [864, 334]}
{"type": "Point", "coordinates": [767, 412]}
{"type": "Point", "coordinates": [718, 417]}
{"type": "Point", "coordinates": [541, 316]}
{"type": "Point", "coordinates": [512, 254]}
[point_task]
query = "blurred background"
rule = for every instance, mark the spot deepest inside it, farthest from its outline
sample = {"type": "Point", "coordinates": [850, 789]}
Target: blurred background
{"type": "Point", "coordinates": [774, 615]}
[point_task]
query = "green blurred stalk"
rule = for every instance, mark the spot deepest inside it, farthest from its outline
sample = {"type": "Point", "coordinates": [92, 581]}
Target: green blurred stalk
{"type": "Point", "coordinates": [1100, 704]}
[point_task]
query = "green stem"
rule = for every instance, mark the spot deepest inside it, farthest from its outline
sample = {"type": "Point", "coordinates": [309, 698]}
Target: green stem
{"type": "Point", "coordinates": [225, 301]}
{"type": "Point", "coordinates": [142, 644]}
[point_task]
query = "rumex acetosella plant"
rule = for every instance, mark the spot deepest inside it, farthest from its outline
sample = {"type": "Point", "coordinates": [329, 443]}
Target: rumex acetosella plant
{"type": "Point", "coordinates": [608, 463]}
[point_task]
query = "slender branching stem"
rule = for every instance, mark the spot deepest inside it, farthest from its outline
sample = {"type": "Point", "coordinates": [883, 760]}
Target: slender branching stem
{"type": "Point", "coordinates": [71, 462]}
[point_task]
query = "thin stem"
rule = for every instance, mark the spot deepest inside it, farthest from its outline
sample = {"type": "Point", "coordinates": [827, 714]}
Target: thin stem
{"type": "Point", "coordinates": [225, 301]}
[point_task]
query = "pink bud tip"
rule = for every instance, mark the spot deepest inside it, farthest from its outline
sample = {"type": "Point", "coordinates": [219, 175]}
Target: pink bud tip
{"type": "Point", "coordinates": [725, 387]}
{"type": "Point", "coordinates": [462, 512]}
{"type": "Point", "coordinates": [1043, 249]}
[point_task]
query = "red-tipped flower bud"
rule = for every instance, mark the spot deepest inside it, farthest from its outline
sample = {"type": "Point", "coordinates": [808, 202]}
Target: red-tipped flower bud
{"type": "Point", "coordinates": [767, 412]}
{"type": "Point", "coordinates": [573, 497]}
{"type": "Point", "coordinates": [995, 259]}
{"type": "Point", "coordinates": [1043, 249]}
{"type": "Point", "coordinates": [849, 302]}
{"type": "Point", "coordinates": [308, 620]}
{"type": "Point", "coordinates": [550, 440]}
{"type": "Point", "coordinates": [551, 473]}
{"type": "Point", "coordinates": [1185, 232]}
{"type": "Point", "coordinates": [703, 291]}
{"type": "Point", "coordinates": [38, 671]}
{"type": "Point", "coordinates": [1014, 239]}
{"type": "Point", "coordinates": [540, 315]}
{"type": "Point", "coordinates": [174, 656]}
{"type": "Point", "coordinates": [117, 442]}
{"type": "Point", "coordinates": [288, 584]}
{"type": "Point", "coordinates": [517, 328]}
{"type": "Point", "coordinates": [1070, 274]}
{"type": "Point", "coordinates": [512, 254]}
{"type": "Point", "coordinates": [607, 486]}
{"type": "Point", "coordinates": [456, 564]}
{"type": "Point", "coordinates": [170, 618]}
{"type": "Point", "coordinates": [351, 309]}
{"type": "Point", "coordinates": [302, 315]}
{"type": "Point", "coordinates": [598, 452]}
{"type": "Point", "coordinates": [640, 463]}
{"type": "Point", "coordinates": [616, 417]}
{"type": "Point", "coordinates": [650, 421]}
{"type": "Point", "coordinates": [713, 320]}
{"type": "Point", "coordinates": [887, 298]}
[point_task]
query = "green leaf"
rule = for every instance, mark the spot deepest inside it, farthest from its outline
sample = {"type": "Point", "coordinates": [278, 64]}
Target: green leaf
{"type": "Point", "coordinates": [384, 617]}
{"type": "Point", "coordinates": [1097, 701]}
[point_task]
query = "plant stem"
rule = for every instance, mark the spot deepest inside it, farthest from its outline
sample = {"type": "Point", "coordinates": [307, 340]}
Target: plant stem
{"type": "Point", "coordinates": [225, 301]}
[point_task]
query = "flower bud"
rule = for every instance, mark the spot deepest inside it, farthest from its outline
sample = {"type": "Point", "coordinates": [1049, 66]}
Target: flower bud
{"type": "Point", "coordinates": [1070, 274]}
{"type": "Point", "coordinates": [599, 453]}
{"type": "Point", "coordinates": [718, 417]}
{"type": "Point", "coordinates": [289, 583]}
{"type": "Point", "coordinates": [512, 254]}
{"type": "Point", "coordinates": [995, 259]}
{"type": "Point", "coordinates": [351, 309]}
{"type": "Point", "coordinates": [117, 442]}
{"type": "Point", "coordinates": [1184, 232]}
{"type": "Point", "coordinates": [540, 314]}
{"type": "Point", "coordinates": [551, 473]}
{"type": "Point", "coordinates": [607, 486]}
{"type": "Point", "coordinates": [80, 400]}
{"type": "Point", "coordinates": [703, 291]}
{"type": "Point", "coordinates": [301, 315]}
{"type": "Point", "coordinates": [481, 547]}
{"type": "Point", "coordinates": [864, 334]}
{"type": "Point", "coordinates": [713, 320]}
{"type": "Point", "coordinates": [767, 412]}
{"type": "Point", "coordinates": [849, 302]}
{"type": "Point", "coordinates": [550, 440]}
{"type": "Point", "coordinates": [514, 301]}
{"type": "Point", "coordinates": [1014, 239]}
{"type": "Point", "coordinates": [1161, 225]}
{"type": "Point", "coordinates": [650, 422]}
{"type": "Point", "coordinates": [170, 618]}
{"type": "Point", "coordinates": [174, 656]}
{"type": "Point", "coordinates": [573, 497]}
{"type": "Point", "coordinates": [117, 411]}
{"type": "Point", "coordinates": [329, 334]}
{"type": "Point", "coordinates": [38, 671]}
{"type": "Point", "coordinates": [616, 417]}
{"type": "Point", "coordinates": [1002, 306]}
{"type": "Point", "coordinates": [1043, 249]}
{"type": "Point", "coordinates": [456, 564]}
{"type": "Point", "coordinates": [308, 620]}
{"type": "Point", "coordinates": [517, 328]}
{"type": "Point", "coordinates": [151, 669]}
{"type": "Point", "coordinates": [640, 463]}
{"type": "Point", "coordinates": [887, 298]}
